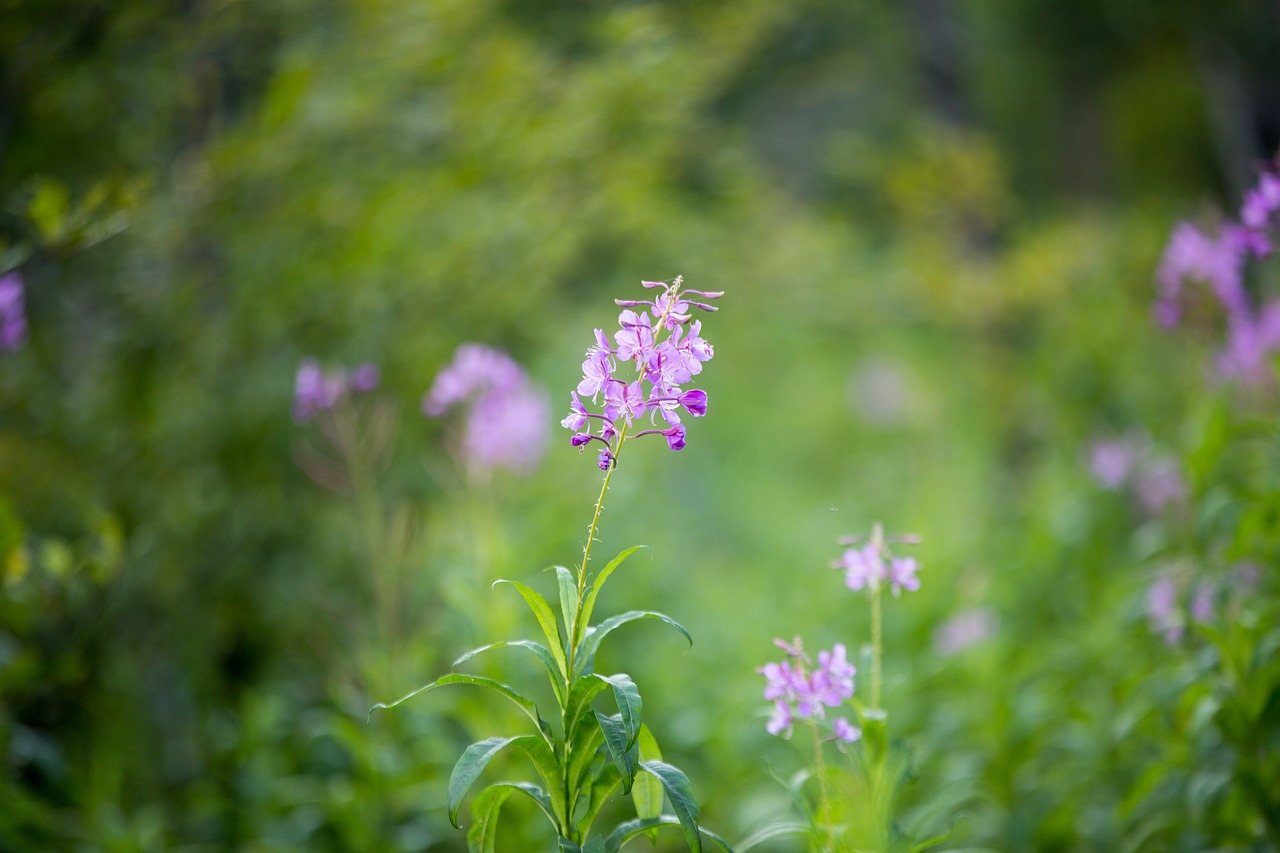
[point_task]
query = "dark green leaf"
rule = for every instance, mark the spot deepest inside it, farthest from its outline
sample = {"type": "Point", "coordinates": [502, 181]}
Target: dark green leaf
{"type": "Point", "coordinates": [551, 771]}
{"type": "Point", "coordinates": [469, 767]}
{"type": "Point", "coordinates": [595, 845]}
{"type": "Point", "coordinates": [582, 751]}
{"type": "Point", "coordinates": [683, 802]}
{"type": "Point", "coordinates": [621, 750]}
{"type": "Point", "coordinates": [630, 705]}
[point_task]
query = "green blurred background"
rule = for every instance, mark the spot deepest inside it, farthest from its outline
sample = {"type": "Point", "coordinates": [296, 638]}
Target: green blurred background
{"type": "Point", "coordinates": [936, 225]}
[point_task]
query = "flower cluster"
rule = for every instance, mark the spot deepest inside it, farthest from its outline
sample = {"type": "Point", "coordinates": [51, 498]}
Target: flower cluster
{"type": "Point", "coordinates": [507, 417]}
{"type": "Point", "coordinates": [13, 317]}
{"type": "Point", "coordinates": [1219, 260]}
{"type": "Point", "coordinates": [662, 348]}
{"type": "Point", "coordinates": [315, 391]}
{"type": "Point", "coordinates": [798, 689]}
{"type": "Point", "coordinates": [870, 566]}
{"type": "Point", "coordinates": [1130, 462]}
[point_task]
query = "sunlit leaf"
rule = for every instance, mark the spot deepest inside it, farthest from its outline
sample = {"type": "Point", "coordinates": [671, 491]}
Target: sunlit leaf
{"type": "Point", "coordinates": [646, 792]}
{"type": "Point", "coordinates": [542, 652]}
{"type": "Point", "coordinates": [628, 830]}
{"type": "Point", "coordinates": [524, 704]}
{"type": "Point", "coordinates": [568, 596]}
{"type": "Point", "coordinates": [602, 789]}
{"type": "Point", "coordinates": [546, 620]}
{"type": "Point", "coordinates": [589, 602]}
{"type": "Point", "coordinates": [482, 834]}
{"type": "Point", "coordinates": [591, 642]}
{"type": "Point", "coordinates": [777, 829]}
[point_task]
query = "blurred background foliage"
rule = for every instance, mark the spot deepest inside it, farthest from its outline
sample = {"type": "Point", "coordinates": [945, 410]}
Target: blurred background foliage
{"type": "Point", "coordinates": [936, 224]}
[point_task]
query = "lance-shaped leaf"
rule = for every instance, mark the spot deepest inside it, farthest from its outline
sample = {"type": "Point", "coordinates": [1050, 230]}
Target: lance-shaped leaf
{"type": "Point", "coordinates": [482, 835]}
{"type": "Point", "coordinates": [551, 771]}
{"type": "Point", "coordinates": [583, 748]}
{"type": "Point", "coordinates": [568, 596]}
{"type": "Point", "coordinates": [585, 688]}
{"type": "Point", "coordinates": [776, 829]}
{"type": "Point", "coordinates": [646, 793]}
{"type": "Point", "coordinates": [683, 802]}
{"type": "Point", "coordinates": [542, 652]}
{"type": "Point", "coordinates": [594, 845]}
{"type": "Point", "coordinates": [630, 705]}
{"type": "Point", "coordinates": [589, 602]}
{"type": "Point", "coordinates": [468, 769]}
{"type": "Point", "coordinates": [586, 658]}
{"type": "Point", "coordinates": [624, 832]}
{"type": "Point", "coordinates": [523, 703]}
{"type": "Point", "coordinates": [602, 789]}
{"type": "Point", "coordinates": [546, 620]}
{"type": "Point", "coordinates": [621, 751]}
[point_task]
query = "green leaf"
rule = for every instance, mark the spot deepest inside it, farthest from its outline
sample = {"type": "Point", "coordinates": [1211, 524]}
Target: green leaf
{"type": "Point", "coordinates": [585, 688]}
{"type": "Point", "coordinates": [542, 652]}
{"type": "Point", "coordinates": [683, 802]}
{"type": "Point", "coordinates": [591, 642]}
{"type": "Point", "coordinates": [646, 793]}
{"type": "Point", "coordinates": [777, 829]}
{"type": "Point", "coordinates": [589, 603]}
{"type": "Point", "coordinates": [582, 751]}
{"type": "Point", "coordinates": [628, 830]}
{"type": "Point", "coordinates": [551, 771]}
{"type": "Point", "coordinates": [621, 750]}
{"type": "Point", "coordinates": [468, 769]}
{"type": "Point", "coordinates": [482, 835]}
{"type": "Point", "coordinates": [546, 620]}
{"type": "Point", "coordinates": [630, 705]}
{"type": "Point", "coordinates": [601, 790]}
{"type": "Point", "coordinates": [520, 701]}
{"type": "Point", "coordinates": [568, 596]}
{"type": "Point", "coordinates": [595, 845]}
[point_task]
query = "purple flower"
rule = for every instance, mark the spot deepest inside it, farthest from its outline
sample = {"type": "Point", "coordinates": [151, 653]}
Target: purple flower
{"type": "Point", "coordinates": [844, 730]}
{"type": "Point", "coordinates": [869, 566]}
{"type": "Point", "coordinates": [863, 568]}
{"type": "Point", "coordinates": [507, 417]}
{"type": "Point", "coordinates": [797, 692]}
{"type": "Point", "coordinates": [1202, 603]}
{"type": "Point", "coordinates": [315, 391]}
{"type": "Point", "coordinates": [1261, 202]}
{"type": "Point", "coordinates": [365, 378]}
{"type": "Point", "coordinates": [1111, 462]}
{"type": "Point", "coordinates": [1159, 484]}
{"type": "Point", "coordinates": [902, 575]}
{"type": "Point", "coordinates": [13, 316]}
{"type": "Point", "coordinates": [1162, 608]}
{"type": "Point", "coordinates": [664, 350]}
{"type": "Point", "coordinates": [605, 460]}
{"type": "Point", "coordinates": [964, 630]}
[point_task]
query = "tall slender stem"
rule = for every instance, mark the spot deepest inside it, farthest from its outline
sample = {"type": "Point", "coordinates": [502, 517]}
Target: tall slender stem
{"type": "Point", "coordinates": [877, 647]}
{"type": "Point", "coordinates": [820, 764]}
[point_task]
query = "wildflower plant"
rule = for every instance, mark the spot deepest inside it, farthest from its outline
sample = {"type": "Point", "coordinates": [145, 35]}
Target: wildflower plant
{"type": "Point", "coordinates": [636, 382]}
{"type": "Point", "coordinates": [854, 810]}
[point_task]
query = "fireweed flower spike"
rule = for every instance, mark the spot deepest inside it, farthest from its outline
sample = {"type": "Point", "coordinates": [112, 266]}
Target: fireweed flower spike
{"type": "Point", "coordinates": [798, 689]}
{"type": "Point", "coordinates": [637, 372]}
{"type": "Point", "coordinates": [13, 317]}
{"type": "Point", "coordinates": [506, 420]}
{"type": "Point", "coordinates": [868, 567]}
{"type": "Point", "coordinates": [642, 370]}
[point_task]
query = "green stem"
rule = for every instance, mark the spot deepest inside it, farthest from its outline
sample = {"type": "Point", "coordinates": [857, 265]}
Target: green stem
{"type": "Point", "coordinates": [824, 813]}
{"type": "Point", "coordinates": [877, 647]}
